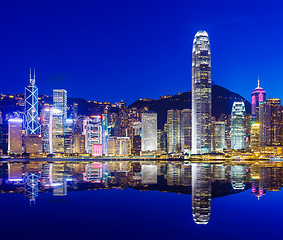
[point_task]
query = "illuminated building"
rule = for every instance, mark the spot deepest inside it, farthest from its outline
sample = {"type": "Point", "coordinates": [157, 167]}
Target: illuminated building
{"type": "Point", "coordinates": [15, 131]}
{"type": "Point", "coordinates": [136, 149]}
{"type": "Point", "coordinates": [68, 135]}
{"type": "Point", "coordinates": [33, 144]}
{"type": "Point", "coordinates": [123, 146]}
{"type": "Point", "coordinates": [238, 177]}
{"type": "Point", "coordinates": [270, 122]}
{"type": "Point", "coordinates": [96, 150]}
{"type": "Point", "coordinates": [112, 146]}
{"type": "Point", "coordinates": [173, 131]}
{"type": "Point", "coordinates": [186, 130]}
{"type": "Point", "coordinates": [60, 101]}
{"type": "Point", "coordinates": [105, 134]}
{"type": "Point", "coordinates": [218, 136]}
{"type": "Point", "coordinates": [57, 131]}
{"type": "Point", "coordinates": [3, 139]}
{"type": "Point", "coordinates": [79, 143]}
{"type": "Point", "coordinates": [201, 192]}
{"type": "Point", "coordinates": [201, 94]}
{"type": "Point", "coordinates": [258, 96]}
{"type": "Point", "coordinates": [93, 132]}
{"type": "Point", "coordinates": [161, 141]}
{"type": "Point", "coordinates": [46, 129]}
{"type": "Point", "coordinates": [149, 174]}
{"type": "Point", "coordinates": [255, 128]}
{"type": "Point", "coordinates": [238, 126]}
{"type": "Point", "coordinates": [31, 123]}
{"type": "Point", "coordinates": [149, 132]}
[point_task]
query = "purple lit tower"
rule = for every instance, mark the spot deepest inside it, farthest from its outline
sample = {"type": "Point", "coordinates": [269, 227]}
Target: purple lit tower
{"type": "Point", "coordinates": [258, 96]}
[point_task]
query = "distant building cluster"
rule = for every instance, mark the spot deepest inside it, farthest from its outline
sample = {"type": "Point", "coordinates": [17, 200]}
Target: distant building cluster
{"type": "Point", "coordinates": [58, 129]}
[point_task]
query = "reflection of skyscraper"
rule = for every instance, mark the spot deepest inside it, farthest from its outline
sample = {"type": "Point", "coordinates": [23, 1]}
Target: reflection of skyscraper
{"type": "Point", "coordinates": [201, 94]}
{"type": "Point", "coordinates": [149, 174]}
{"type": "Point", "coordinates": [238, 126]}
{"type": "Point", "coordinates": [201, 192]}
{"type": "Point", "coordinates": [32, 125]}
{"type": "Point", "coordinates": [93, 172]}
{"type": "Point", "coordinates": [31, 185]}
{"type": "Point", "coordinates": [238, 177]}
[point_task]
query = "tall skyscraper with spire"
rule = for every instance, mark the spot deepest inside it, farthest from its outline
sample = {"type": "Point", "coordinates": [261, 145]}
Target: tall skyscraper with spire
{"type": "Point", "coordinates": [258, 96]}
{"type": "Point", "coordinates": [201, 94]}
{"type": "Point", "coordinates": [31, 124]}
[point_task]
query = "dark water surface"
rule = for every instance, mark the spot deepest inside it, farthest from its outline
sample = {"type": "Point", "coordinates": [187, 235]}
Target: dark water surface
{"type": "Point", "coordinates": [140, 200]}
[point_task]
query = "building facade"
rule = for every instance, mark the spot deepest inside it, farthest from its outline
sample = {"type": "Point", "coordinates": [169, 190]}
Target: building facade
{"type": "Point", "coordinates": [238, 126]}
{"type": "Point", "coordinates": [149, 132]}
{"type": "Point", "coordinates": [258, 96]}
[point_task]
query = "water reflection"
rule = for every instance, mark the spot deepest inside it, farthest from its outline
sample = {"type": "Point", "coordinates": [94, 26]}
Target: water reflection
{"type": "Point", "coordinates": [201, 180]}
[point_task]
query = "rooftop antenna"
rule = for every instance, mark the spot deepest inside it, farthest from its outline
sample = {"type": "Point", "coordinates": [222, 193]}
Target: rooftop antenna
{"type": "Point", "coordinates": [258, 82]}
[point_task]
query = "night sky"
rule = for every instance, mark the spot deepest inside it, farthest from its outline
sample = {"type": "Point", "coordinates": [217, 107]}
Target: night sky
{"type": "Point", "coordinates": [110, 50]}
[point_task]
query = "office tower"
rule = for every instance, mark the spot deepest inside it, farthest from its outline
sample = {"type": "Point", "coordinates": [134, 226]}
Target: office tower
{"type": "Point", "coordinates": [57, 131]}
{"type": "Point", "coordinates": [31, 123]}
{"type": "Point", "coordinates": [218, 136]}
{"type": "Point", "coordinates": [149, 132]}
{"type": "Point", "coordinates": [105, 134]}
{"type": "Point", "coordinates": [75, 110]}
{"type": "Point", "coordinates": [258, 96]}
{"type": "Point", "coordinates": [68, 135]}
{"type": "Point", "coordinates": [136, 149]}
{"type": "Point", "coordinates": [112, 146]}
{"type": "Point", "coordinates": [79, 143]}
{"type": "Point", "coordinates": [254, 140]}
{"type": "Point", "coordinates": [270, 122]}
{"type": "Point", "coordinates": [186, 130]}
{"type": "Point", "coordinates": [46, 129]}
{"type": "Point", "coordinates": [1, 118]}
{"type": "Point", "coordinates": [174, 131]}
{"type": "Point", "coordinates": [238, 126]}
{"type": "Point", "coordinates": [201, 94]}
{"type": "Point", "coordinates": [161, 141]}
{"type": "Point", "coordinates": [122, 120]}
{"type": "Point", "coordinates": [93, 132]}
{"type": "Point", "coordinates": [201, 192]}
{"type": "Point", "coordinates": [238, 177]}
{"type": "Point", "coordinates": [15, 131]}
{"type": "Point", "coordinates": [123, 146]}
{"type": "Point", "coordinates": [96, 150]}
{"type": "Point", "coordinates": [3, 139]}
{"type": "Point", "coordinates": [60, 101]}
{"type": "Point", "coordinates": [33, 144]}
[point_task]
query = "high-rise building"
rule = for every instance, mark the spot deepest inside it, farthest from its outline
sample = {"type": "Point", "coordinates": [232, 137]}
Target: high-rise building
{"type": "Point", "coordinates": [218, 136]}
{"type": "Point", "coordinates": [93, 132]}
{"type": "Point", "coordinates": [123, 146]}
{"type": "Point", "coordinates": [105, 134]}
{"type": "Point", "coordinates": [254, 139]}
{"type": "Point", "coordinates": [161, 141]}
{"type": "Point", "coordinates": [201, 94]}
{"type": "Point", "coordinates": [174, 131]}
{"type": "Point", "coordinates": [238, 126]}
{"type": "Point", "coordinates": [136, 149]}
{"type": "Point", "coordinates": [201, 192]}
{"type": "Point", "coordinates": [149, 132]}
{"type": "Point", "coordinates": [258, 96]}
{"type": "Point", "coordinates": [60, 101]}
{"type": "Point", "coordinates": [3, 139]}
{"type": "Point", "coordinates": [57, 131]}
{"type": "Point", "coordinates": [15, 141]}
{"type": "Point", "coordinates": [68, 135]}
{"type": "Point", "coordinates": [79, 143]}
{"type": "Point", "coordinates": [46, 129]}
{"type": "Point", "coordinates": [186, 130]}
{"type": "Point", "coordinates": [33, 144]}
{"type": "Point", "coordinates": [270, 122]}
{"type": "Point", "coordinates": [31, 123]}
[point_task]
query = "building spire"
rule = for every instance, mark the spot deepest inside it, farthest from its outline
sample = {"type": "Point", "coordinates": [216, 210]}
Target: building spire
{"type": "Point", "coordinates": [32, 80]}
{"type": "Point", "coordinates": [258, 82]}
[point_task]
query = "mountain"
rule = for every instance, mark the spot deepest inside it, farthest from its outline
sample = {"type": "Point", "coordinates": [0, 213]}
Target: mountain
{"type": "Point", "coordinates": [222, 101]}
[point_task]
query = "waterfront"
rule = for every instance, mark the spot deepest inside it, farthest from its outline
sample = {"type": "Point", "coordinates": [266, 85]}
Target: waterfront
{"type": "Point", "coordinates": [125, 200]}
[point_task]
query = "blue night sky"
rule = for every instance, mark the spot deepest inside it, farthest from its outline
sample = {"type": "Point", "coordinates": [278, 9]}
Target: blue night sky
{"type": "Point", "coordinates": [111, 50]}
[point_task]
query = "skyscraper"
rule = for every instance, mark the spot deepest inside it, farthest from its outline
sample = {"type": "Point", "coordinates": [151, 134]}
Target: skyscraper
{"type": "Point", "coordinates": [46, 129]}
{"type": "Point", "coordinates": [149, 132]}
{"type": "Point", "coordinates": [270, 122]}
{"type": "Point", "coordinates": [57, 131]}
{"type": "Point", "coordinates": [218, 136]}
{"type": "Point", "coordinates": [201, 94]}
{"type": "Point", "coordinates": [60, 101]}
{"type": "Point", "coordinates": [93, 133]}
{"type": "Point", "coordinates": [255, 128]}
{"type": "Point", "coordinates": [15, 141]}
{"type": "Point", "coordinates": [174, 131]}
{"type": "Point", "coordinates": [238, 126]}
{"type": "Point", "coordinates": [31, 123]}
{"type": "Point", "coordinates": [186, 130]}
{"type": "Point", "coordinates": [68, 135]}
{"type": "Point", "coordinates": [258, 96]}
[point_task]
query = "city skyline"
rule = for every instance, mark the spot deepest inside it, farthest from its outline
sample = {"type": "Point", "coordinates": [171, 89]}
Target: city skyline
{"type": "Point", "coordinates": [75, 57]}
